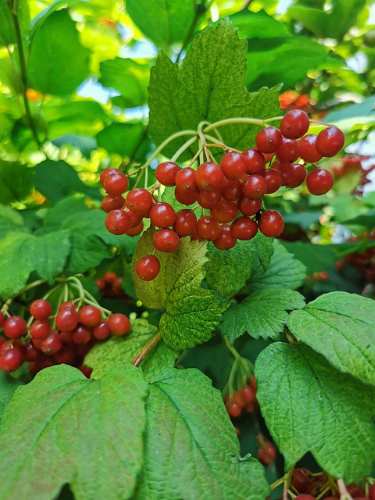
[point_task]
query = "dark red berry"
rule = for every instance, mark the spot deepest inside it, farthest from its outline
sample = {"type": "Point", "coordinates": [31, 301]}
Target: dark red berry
{"type": "Point", "coordinates": [112, 203]}
{"type": "Point", "coordinates": [119, 324]}
{"type": "Point", "coordinates": [115, 182]}
{"type": "Point", "coordinates": [166, 240]}
{"type": "Point", "coordinates": [139, 201]}
{"type": "Point", "coordinates": [67, 319]}
{"type": "Point", "coordinates": [288, 150]}
{"type": "Point", "coordinates": [86, 370]}
{"type": "Point", "coordinates": [186, 196]}
{"type": "Point", "coordinates": [40, 309]}
{"type": "Point", "coordinates": [273, 180]}
{"type": "Point", "coordinates": [102, 331]}
{"type": "Point", "coordinates": [2, 319]}
{"type": "Point", "coordinates": [295, 124]}
{"type": "Point", "coordinates": [52, 344]}
{"type": "Point", "coordinates": [248, 394]}
{"type": "Point", "coordinates": [185, 178]}
{"type": "Point", "coordinates": [267, 453]}
{"type": "Point", "coordinates": [234, 410]}
{"type": "Point", "coordinates": [39, 329]}
{"type": "Point", "coordinates": [147, 267]}
{"type": "Point", "coordinates": [162, 215]}
{"type": "Point", "coordinates": [66, 355]}
{"type": "Point", "coordinates": [254, 187]}
{"type": "Point", "coordinates": [305, 497]}
{"type": "Point", "coordinates": [226, 239]}
{"type": "Point", "coordinates": [208, 199]}
{"type": "Point", "coordinates": [120, 221]}
{"type": "Point", "coordinates": [186, 223]}
{"type": "Point", "coordinates": [254, 161]}
{"type": "Point", "coordinates": [14, 327]}
{"type": "Point", "coordinates": [224, 211]}
{"type": "Point", "coordinates": [301, 480]}
{"type": "Point", "coordinates": [233, 165]}
{"type": "Point", "coordinates": [268, 140]}
{"type": "Point", "coordinates": [271, 223]}
{"type": "Point", "coordinates": [133, 231]}
{"type": "Point", "coordinates": [208, 229]}
{"type": "Point", "coordinates": [319, 181]}
{"type": "Point", "coordinates": [232, 190]}
{"type": "Point", "coordinates": [249, 206]}
{"type": "Point", "coordinates": [307, 148]}
{"type": "Point", "coordinates": [90, 316]}
{"type": "Point", "coordinates": [166, 173]}
{"type": "Point", "coordinates": [11, 357]}
{"type": "Point", "coordinates": [209, 177]}
{"type": "Point", "coordinates": [81, 335]}
{"type": "Point", "coordinates": [293, 174]}
{"type": "Point", "coordinates": [244, 228]}
{"type": "Point", "coordinates": [30, 352]}
{"type": "Point", "coordinates": [330, 141]}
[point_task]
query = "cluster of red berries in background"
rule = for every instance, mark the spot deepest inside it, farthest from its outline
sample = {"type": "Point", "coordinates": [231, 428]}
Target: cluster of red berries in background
{"type": "Point", "coordinates": [231, 192]}
{"type": "Point", "coordinates": [47, 340]}
{"type": "Point", "coordinates": [363, 261]}
{"type": "Point", "coordinates": [110, 285]}
{"type": "Point", "coordinates": [242, 400]}
{"type": "Point", "coordinates": [361, 165]}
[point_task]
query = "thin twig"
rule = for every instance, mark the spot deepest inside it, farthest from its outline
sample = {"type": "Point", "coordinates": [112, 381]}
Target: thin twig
{"type": "Point", "coordinates": [147, 348]}
{"type": "Point", "coordinates": [344, 493]}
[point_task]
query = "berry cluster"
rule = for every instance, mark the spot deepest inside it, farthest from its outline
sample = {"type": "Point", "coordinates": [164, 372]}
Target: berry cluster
{"type": "Point", "coordinates": [362, 166]}
{"type": "Point", "coordinates": [49, 339]}
{"type": "Point", "coordinates": [267, 452]}
{"type": "Point", "coordinates": [242, 400]}
{"type": "Point", "coordinates": [110, 285]}
{"type": "Point", "coordinates": [231, 192]}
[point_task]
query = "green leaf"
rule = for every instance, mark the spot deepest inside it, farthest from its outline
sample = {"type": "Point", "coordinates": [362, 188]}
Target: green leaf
{"type": "Point", "coordinates": [7, 31]}
{"type": "Point", "coordinates": [340, 326]}
{"type": "Point", "coordinates": [10, 220]}
{"type": "Point", "coordinates": [74, 430]}
{"type": "Point", "coordinates": [315, 257]}
{"type": "Point", "coordinates": [206, 462]}
{"type": "Point", "coordinates": [309, 406]}
{"type": "Point", "coordinates": [259, 25]}
{"type": "Point", "coordinates": [7, 387]}
{"type": "Point", "coordinates": [284, 271]}
{"type": "Point", "coordinates": [123, 138]}
{"type": "Point", "coordinates": [179, 99]}
{"type": "Point", "coordinates": [58, 62]}
{"type": "Point", "coordinates": [48, 254]}
{"type": "Point", "coordinates": [262, 315]}
{"type": "Point", "coordinates": [122, 350]}
{"type": "Point", "coordinates": [15, 181]}
{"type": "Point", "coordinates": [315, 20]}
{"type": "Point", "coordinates": [164, 22]}
{"type": "Point", "coordinates": [65, 208]}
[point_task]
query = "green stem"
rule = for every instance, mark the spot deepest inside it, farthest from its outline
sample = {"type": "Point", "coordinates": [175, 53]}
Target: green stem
{"type": "Point", "coordinates": [147, 348]}
{"type": "Point", "coordinates": [165, 143]}
{"type": "Point", "coordinates": [231, 348]}
{"type": "Point", "coordinates": [183, 148]}
{"type": "Point", "coordinates": [235, 121]}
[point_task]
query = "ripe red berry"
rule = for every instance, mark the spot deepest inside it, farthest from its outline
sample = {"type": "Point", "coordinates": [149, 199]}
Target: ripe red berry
{"type": "Point", "coordinates": [232, 190]}
{"type": "Point", "coordinates": [226, 239]}
{"type": "Point", "coordinates": [102, 331]}
{"type": "Point", "coordinates": [208, 229]}
{"type": "Point", "coordinates": [147, 267]}
{"type": "Point", "coordinates": [249, 206]}
{"type": "Point", "coordinates": [120, 221]}
{"type": "Point", "coordinates": [255, 187]}
{"type": "Point", "coordinates": [208, 199]}
{"type": "Point", "coordinates": [248, 394]}
{"type": "Point", "coordinates": [81, 335]}
{"type": "Point", "coordinates": [14, 327]}
{"type": "Point", "coordinates": [233, 165]}
{"type": "Point", "coordinates": [185, 178]}
{"type": "Point", "coordinates": [305, 497]}
{"type": "Point", "coordinates": [51, 344]}
{"type": "Point", "coordinates": [90, 316]}
{"type": "Point", "coordinates": [224, 211]}
{"type": "Point", "coordinates": [11, 357]}
{"type": "Point", "coordinates": [66, 355]}
{"type": "Point", "coordinates": [244, 228]}
{"type": "Point", "coordinates": [119, 324]}
{"type": "Point", "coordinates": [293, 174]}
{"type": "Point", "coordinates": [288, 150]}
{"type": "Point", "coordinates": [67, 319]}
{"type": "Point", "coordinates": [319, 181]}
{"type": "Point", "coordinates": [186, 196]}
{"type": "Point", "coordinates": [271, 223]}
{"type": "Point", "coordinates": [209, 177]}
{"type": "Point", "coordinates": [39, 329]}
{"type": "Point", "coordinates": [166, 173]}
{"type": "Point", "coordinates": [162, 215]}
{"type": "Point", "coordinates": [302, 480]}
{"type": "Point", "coordinates": [30, 352]}
{"type": "Point", "coordinates": [330, 141]}
{"type": "Point", "coordinates": [186, 223]}
{"type": "Point", "coordinates": [254, 161]}
{"type": "Point", "coordinates": [166, 240]}
{"type": "Point", "coordinates": [112, 203]}
{"type": "Point", "coordinates": [115, 182]}
{"type": "Point", "coordinates": [234, 410]}
{"type": "Point", "coordinates": [295, 124]}
{"type": "Point", "coordinates": [268, 140]}
{"type": "Point", "coordinates": [133, 231]}
{"type": "Point", "coordinates": [371, 492]}
{"type": "Point", "coordinates": [2, 319]}
{"type": "Point", "coordinates": [40, 309]}
{"type": "Point", "coordinates": [273, 180]}
{"type": "Point", "coordinates": [307, 148]}
{"type": "Point", "coordinates": [139, 201]}
{"type": "Point", "coordinates": [267, 453]}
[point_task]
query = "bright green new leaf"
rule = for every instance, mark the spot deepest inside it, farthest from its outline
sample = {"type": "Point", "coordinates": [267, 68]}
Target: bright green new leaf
{"type": "Point", "coordinates": [309, 406]}
{"type": "Point", "coordinates": [262, 315]}
{"type": "Point", "coordinates": [15, 181]}
{"type": "Point", "coordinates": [191, 450]}
{"type": "Point", "coordinates": [340, 326]}
{"type": "Point", "coordinates": [88, 433]}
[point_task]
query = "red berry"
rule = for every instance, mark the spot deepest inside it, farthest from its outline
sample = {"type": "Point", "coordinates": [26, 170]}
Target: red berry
{"type": "Point", "coordinates": [248, 394]}
{"type": "Point", "coordinates": [232, 190]}
{"type": "Point", "coordinates": [107, 173]}
{"type": "Point", "coordinates": [267, 453]}
{"type": "Point", "coordinates": [81, 336]}
{"type": "Point", "coordinates": [301, 480]}
{"type": "Point", "coordinates": [102, 331]}
{"type": "Point", "coordinates": [233, 165]}
{"type": "Point", "coordinates": [11, 357]}
{"type": "Point", "coordinates": [186, 223]}
{"type": "Point", "coordinates": [112, 203]}
{"type": "Point", "coordinates": [86, 370]}
{"type": "Point", "coordinates": [139, 201]}
{"type": "Point", "coordinates": [120, 221]}
{"type": "Point", "coordinates": [305, 497]}
{"type": "Point", "coordinates": [271, 223]}
{"type": "Point", "coordinates": [330, 141]}
{"type": "Point", "coordinates": [185, 179]}
{"type": "Point", "coordinates": [115, 182]}
{"type": "Point", "coordinates": [254, 161]}
{"type": "Point", "coordinates": [39, 329]}
{"type": "Point", "coordinates": [40, 309]}
{"type": "Point", "coordinates": [371, 492]}
{"type": "Point", "coordinates": [208, 199]}
{"type": "Point", "coordinates": [295, 124]}
{"type": "Point", "coordinates": [226, 239]}
{"type": "Point", "coordinates": [90, 316]}
{"type": "Point", "coordinates": [166, 240]}
{"type": "Point", "coordinates": [209, 177]}
{"type": "Point", "coordinates": [268, 140]}
{"type": "Point", "coordinates": [133, 231]}
{"type": "Point", "coordinates": [234, 410]}
{"type": "Point", "coordinates": [147, 267]}
{"type": "Point", "coordinates": [66, 355]}
{"type": "Point", "coordinates": [208, 229]}
{"type": "Point", "coordinates": [255, 187]}
{"type": "Point", "coordinates": [307, 148]}
{"type": "Point", "coordinates": [225, 211]}
{"type": "Point", "coordinates": [2, 319]}
{"type": "Point", "coordinates": [288, 150]}
{"type": "Point", "coordinates": [186, 196]}
{"type": "Point", "coordinates": [273, 180]}
{"type": "Point", "coordinates": [166, 173]}
{"type": "Point", "coordinates": [293, 174]}
{"type": "Point", "coordinates": [14, 327]}
{"type": "Point", "coordinates": [244, 228]}
{"type": "Point", "coordinates": [52, 344]}
{"type": "Point", "coordinates": [67, 319]}
{"type": "Point", "coordinates": [249, 206]}
{"type": "Point", "coordinates": [119, 324]}
{"type": "Point", "coordinates": [319, 181]}
{"type": "Point", "coordinates": [162, 215]}
{"type": "Point", "coordinates": [30, 352]}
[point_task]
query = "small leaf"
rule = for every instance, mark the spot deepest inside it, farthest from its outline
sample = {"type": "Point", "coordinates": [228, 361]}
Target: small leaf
{"type": "Point", "coordinates": [10, 220]}
{"type": "Point", "coordinates": [48, 254]}
{"type": "Point", "coordinates": [15, 181]}
{"type": "Point", "coordinates": [262, 315]}
{"type": "Point", "coordinates": [309, 406]}
{"type": "Point", "coordinates": [15, 271]}
{"type": "Point", "coordinates": [340, 326]}
{"type": "Point", "coordinates": [122, 138]}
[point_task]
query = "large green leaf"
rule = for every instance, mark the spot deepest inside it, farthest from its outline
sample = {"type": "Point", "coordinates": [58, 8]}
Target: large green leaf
{"type": "Point", "coordinates": [259, 25]}
{"type": "Point", "coordinates": [10, 220]}
{"type": "Point", "coordinates": [123, 138]}
{"type": "Point", "coordinates": [48, 254]}
{"type": "Point", "coordinates": [191, 450]}
{"type": "Point", "coordinates": [7, 387]}
{"type": "Point", "coordinates": [262, 315]}
{"type": "Point", "coordinates": [309, 406]}
{"type": "Point", "coordinates": [163, 21]}
{"type": "Point", "coordinates": [340, 326]}
{"type": "Point", "coordinates": [7, 28]}
{"type": "Point", "coordinates": [74, 431]}
{"type": "Point", "coordinates": [58, 62]}
{"type": "Point", "coordinates": [15, 181]}
{"type": "Point", "coordinates": [209, 85]}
